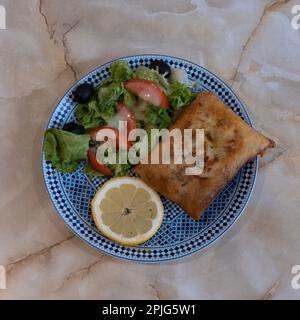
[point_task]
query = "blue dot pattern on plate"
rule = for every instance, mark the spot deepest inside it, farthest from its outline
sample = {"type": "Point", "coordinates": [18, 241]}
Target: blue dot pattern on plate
{"type": "Point", "coordinates": [179, 235]}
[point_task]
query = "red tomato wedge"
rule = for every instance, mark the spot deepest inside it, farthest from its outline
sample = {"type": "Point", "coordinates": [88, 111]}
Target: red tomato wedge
{"type": "Point", "coordinates": [98, 166]}
{"type": "Point", "coordinates": [148, 91]}
{"type": "Point", "coordinates": [125, 114]}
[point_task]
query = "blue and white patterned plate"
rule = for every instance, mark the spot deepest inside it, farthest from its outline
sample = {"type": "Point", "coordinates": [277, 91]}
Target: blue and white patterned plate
{"type": "Point", "coordinates": [179, 235]}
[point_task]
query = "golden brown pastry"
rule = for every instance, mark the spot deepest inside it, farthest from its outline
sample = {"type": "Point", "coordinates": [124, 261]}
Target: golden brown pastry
{"type": "Point", "coordinates": [229, 143]}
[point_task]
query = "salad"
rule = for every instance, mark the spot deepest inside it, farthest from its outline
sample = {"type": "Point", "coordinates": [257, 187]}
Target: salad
{"type": "Point", "coordinates": [148, 98]}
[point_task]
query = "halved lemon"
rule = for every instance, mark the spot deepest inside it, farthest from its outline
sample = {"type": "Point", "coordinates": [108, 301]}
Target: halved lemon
{"type": "Point", "coordinates": [127, 211]}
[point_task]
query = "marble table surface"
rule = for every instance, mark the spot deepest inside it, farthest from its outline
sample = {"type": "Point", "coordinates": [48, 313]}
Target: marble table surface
{"type": "Point", "coordinates": [48, 44]}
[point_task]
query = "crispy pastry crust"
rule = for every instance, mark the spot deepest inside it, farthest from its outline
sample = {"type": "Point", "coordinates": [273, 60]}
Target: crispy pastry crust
{"type": "Point", "coordinates": [229, 144]}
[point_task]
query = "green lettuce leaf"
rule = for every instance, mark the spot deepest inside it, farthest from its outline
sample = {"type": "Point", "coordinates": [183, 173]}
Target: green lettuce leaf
{"type": "Point", "coordinates": [89, 115]}
{"type": "Point", "coordinates": [143, 72]}
{"type": "Point", "coordinates": [180, 95]}
{"type": "Point", "coordinates": [129, 99]}
{"type": "Point", "coordinates": [118, 169]}
{"type": "Point", "coordinates": [108, 97]}
{"type": "Point", "coordinates": [65, 149]}
{"type": "Point", "coordinates": [157, 117]}
{"type": "Point", "coordinates": [120, 71]}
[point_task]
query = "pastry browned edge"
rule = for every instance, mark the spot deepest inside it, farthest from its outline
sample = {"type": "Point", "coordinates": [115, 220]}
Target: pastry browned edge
{"type": "Point", "coordinates": [229, 143]}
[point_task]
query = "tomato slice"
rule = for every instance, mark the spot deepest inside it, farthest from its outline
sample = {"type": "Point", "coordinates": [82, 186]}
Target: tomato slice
{"type": "Point", "coordinates": [148, 91]}
{"type": "Point", "coordinates": [98, 166]}
{"type": "Point", "coordinates": [125, 114]}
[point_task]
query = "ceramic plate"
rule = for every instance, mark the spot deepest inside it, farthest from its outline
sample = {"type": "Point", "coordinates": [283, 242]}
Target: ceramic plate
{"type": "Point", "coordinates": [179, 235]}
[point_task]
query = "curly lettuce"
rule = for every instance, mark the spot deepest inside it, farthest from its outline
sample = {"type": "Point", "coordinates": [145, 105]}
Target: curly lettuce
{"type": "Point", "coordinates": [157, 117]}
{"type": "Point", "coordinates": [89, 115]}
{"type": "Point", "coordinates": [108, 97]}
{"type": "Point", "coordinates": [129, 99]}
{"type": "Point", "coordinates": [143, 72]}
{"type": "Point", "coordinates": [120, 71]}
{"type": "Point", "coordinates": [119, 169]}
{"type": "Point", "coordinates": [180, 95]}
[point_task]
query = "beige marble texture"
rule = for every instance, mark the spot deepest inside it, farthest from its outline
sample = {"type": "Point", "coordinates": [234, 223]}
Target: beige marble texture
{"type": "Point", "coordinates": [48, 44]}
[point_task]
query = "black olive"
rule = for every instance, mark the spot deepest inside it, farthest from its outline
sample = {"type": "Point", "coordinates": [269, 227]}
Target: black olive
{"type": "Point", "coordinates": [162, 67]}
{"type": "Point", "coordinates": [84, 93]}
{"type": "Point", "coordinates": [74, 128]}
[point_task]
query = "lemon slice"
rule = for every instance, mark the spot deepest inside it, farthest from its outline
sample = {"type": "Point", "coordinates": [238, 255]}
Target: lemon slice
{"type": "Point", "coordinates": [127, 211]}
